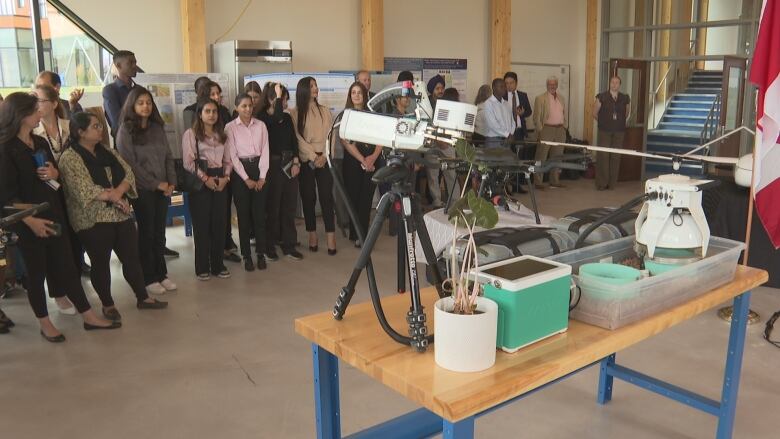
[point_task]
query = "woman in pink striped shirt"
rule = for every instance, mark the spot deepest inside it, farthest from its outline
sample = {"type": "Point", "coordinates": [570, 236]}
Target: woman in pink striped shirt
{"type": "Point", "coordinates": [247, 141]}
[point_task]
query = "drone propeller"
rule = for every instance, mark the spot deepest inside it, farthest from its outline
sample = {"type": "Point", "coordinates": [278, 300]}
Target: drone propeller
{"type": "Point", "coordinates": [676, 159]}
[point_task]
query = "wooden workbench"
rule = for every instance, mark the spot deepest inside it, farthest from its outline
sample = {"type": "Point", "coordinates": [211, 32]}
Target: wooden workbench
{"type": "Point", "coordinates": [451, 400]}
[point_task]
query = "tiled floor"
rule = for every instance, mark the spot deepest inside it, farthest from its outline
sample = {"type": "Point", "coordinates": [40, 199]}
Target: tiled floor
{"type": "Point", "coordinates": [223, 361]}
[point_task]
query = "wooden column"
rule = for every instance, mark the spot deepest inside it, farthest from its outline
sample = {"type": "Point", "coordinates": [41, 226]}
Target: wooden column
{"type": "Point", "coordinates": [701, 33]}
{"type": "Point", "coordinates": [639, 36]}
{"type": "Point", "coordinates": [500, 37]}
{"type": "Point", "coordinates": [372, 30]}
{"type": "Point", "coordinates": [193, 35]}
{"type": "Point", "coordinates": [591, 67]}
{"type": "Point", "coordinates": [683, 43]}
{"type": "Point", "coordinates": [663, 50]}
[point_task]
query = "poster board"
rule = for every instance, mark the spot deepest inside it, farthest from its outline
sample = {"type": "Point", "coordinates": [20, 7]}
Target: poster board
{"type": "Point", "coordinates": [173, 92]}
{"type": "Point", "coordinates": [532, 79]}
{"type": "Point", "coordinates": [454, 71]}
{"type": "Point", "coordinates": [333, 86]}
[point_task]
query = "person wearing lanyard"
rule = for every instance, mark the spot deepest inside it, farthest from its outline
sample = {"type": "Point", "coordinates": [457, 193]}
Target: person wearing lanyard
{"type": "Point", "coordinates": [611, 110]}
{"type": "Point", "coordinates": [247, 141]}
{"type": "Point", "coordinates": [54, 128]}
{"type": "Point", "coordinates": [204, 154]}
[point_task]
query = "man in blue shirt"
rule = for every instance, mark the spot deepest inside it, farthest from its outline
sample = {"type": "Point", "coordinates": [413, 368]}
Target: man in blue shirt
{"type": "Point", "coordinates": [115, 94]}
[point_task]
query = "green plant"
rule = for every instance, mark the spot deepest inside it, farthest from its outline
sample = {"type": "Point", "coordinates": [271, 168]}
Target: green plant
{"type": "Point", "coordinates": [469, 212]}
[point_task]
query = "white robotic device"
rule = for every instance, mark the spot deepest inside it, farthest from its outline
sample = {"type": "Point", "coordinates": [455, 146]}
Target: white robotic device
{"type": "Point", "coordinates": [673, 219]}
{"type": "Point", "coordinates": [447, 124]}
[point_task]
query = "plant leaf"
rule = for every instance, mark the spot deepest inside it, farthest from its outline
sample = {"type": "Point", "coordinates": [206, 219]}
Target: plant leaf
{"type": "Point", "coordinates": [465, 150]}
{"type": "Point", "coordinates": [483, 212]}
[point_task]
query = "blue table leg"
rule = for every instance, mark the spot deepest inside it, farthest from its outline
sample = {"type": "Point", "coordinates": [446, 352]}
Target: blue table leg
{"type": "Point", "coordinates": [326, 393]}
{"type": "Point", "coordinates": [728, 401]}
{"type": "Point", "coordinates": [463, 429]}
{"type": "Point", "coordinates": [605, 380]}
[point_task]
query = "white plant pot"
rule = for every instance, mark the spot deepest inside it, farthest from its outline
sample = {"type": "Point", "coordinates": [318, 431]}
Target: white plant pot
{"type": "Point", "coordinates": [465, 343]}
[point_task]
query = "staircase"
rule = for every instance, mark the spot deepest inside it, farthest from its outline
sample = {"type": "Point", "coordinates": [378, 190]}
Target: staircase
{"type": "Point", "coordinates": [683, 122]}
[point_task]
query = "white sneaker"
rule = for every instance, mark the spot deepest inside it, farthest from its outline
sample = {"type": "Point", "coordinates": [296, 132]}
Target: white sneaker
{"type": "Point", "coordinates": [155, 288]}
{"type": "Point", "coordinates": [168, 284]}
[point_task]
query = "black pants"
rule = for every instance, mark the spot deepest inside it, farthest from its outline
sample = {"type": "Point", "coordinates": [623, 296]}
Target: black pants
{"type": "Point", "coordinates": [57, 291]}
{"type": "Point", "coordinates": [250, 205]}
{"type": "Point", "coordinates": [360, 190]}
{"type": "Point", "coordinates": [281, 202]}
{"type": "Point", "coordinates": [121, 238]}
{"type": "Point", "coordinates": [49, 259]}
{"type": "Point", "coordinates": [229, 243]}
{"type": "Point", "coordinates": [207, 208]}
{"type": "Point", "coordinates": [151, 214]}
{"type": "Point", "coordinates": [313, 182]}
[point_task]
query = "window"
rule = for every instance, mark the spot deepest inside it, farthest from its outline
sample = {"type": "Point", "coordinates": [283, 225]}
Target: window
{"type": "Point", "coordinates": [67, 49]}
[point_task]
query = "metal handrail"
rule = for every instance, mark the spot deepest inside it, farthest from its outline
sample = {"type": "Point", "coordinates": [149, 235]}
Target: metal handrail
{"type": "Point", "coordinates": [711, 125]}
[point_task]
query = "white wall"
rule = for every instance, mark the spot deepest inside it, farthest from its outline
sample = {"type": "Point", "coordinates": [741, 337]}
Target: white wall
{"type": "Point", "coordinates": [325, 35]}
{"type": "Point", "coordinates": [722, 40]}
{"type": "Point", "coordinates": [553, 31]}
{"type": "Point", "coordinates": [441, 29]}
{"type": "Point", "coordinates": [150, 28]}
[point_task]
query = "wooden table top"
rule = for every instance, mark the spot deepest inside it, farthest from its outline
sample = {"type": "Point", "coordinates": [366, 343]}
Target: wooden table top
{"type": "Point", "coordinates": [359, 341]}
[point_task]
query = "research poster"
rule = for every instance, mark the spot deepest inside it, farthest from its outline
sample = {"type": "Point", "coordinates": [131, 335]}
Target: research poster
{"type": "Point", "coordinates": [454, 71]}
{"type": "Point", "coordinates": [333, 86]}
{"type": "Point", "coordinates": [173, 93]}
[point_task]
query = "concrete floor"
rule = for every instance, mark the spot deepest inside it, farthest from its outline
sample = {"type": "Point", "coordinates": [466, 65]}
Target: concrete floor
{"type": "Point", "coordinates": [224, 361]}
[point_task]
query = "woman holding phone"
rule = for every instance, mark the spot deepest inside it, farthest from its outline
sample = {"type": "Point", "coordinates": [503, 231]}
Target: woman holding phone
{"type": "Point", "coordinates": [29, 175]}
{"type": "Point", "coordinates": [98, 185]}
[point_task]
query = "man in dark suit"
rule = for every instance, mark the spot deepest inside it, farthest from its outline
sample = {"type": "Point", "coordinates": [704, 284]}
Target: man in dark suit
{"type": "Point", "coordinates": [521, 108]}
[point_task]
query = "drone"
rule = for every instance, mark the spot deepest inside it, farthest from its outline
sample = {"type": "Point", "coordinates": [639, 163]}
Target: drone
{"type": "Point", "coordinates": [671, 226]}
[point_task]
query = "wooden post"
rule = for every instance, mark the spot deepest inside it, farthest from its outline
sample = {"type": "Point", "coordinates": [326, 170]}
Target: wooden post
{"type": "Point", "coordinates": [591, 65]}
{"type": "Point", "coordinates": [500, 38]}
{"type": "Point", "coordinates": [193, 35]}
{"type": "Point", "coordinates": [701, 33]}
{"type": "Point", "coordinates": [372, 30]}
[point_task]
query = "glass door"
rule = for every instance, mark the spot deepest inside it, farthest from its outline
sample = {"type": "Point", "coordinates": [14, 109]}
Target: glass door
{"type": "Point", "coordinates": [634, 79]}
{"type": "Point", "coordinates": [732, 100]}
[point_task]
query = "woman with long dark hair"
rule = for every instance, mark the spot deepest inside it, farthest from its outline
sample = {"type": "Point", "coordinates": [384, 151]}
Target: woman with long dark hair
{"type": "Point", "coordinates": [28, 174]}
{"type": "Point", "coordinates": [360, 162]}
{"type": "Point", "coordinates": [283, 169]}
{"type": "Point", "coordinates": [253, 89]}
{"type": "Point", "coordinates": [98, 185]}
{"type": "Point", "coordinates": [204, 154]}
{"type": "Point", "coordinates": [247, 141]}
{"type": "Point", "coordinates": [312, 124]}
{"type": "Point", "coordinates": [143, 144]}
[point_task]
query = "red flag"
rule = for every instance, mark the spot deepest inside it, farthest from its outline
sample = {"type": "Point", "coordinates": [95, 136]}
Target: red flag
{"type": "Point", "coordinates": [765, 74]}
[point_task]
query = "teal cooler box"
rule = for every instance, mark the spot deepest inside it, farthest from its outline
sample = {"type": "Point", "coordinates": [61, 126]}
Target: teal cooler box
{"type": "Point", "coordinates": [532, 296]}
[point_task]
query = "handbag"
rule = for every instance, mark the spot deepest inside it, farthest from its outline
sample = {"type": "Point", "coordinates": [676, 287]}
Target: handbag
{"type": "Point", "coordinates": [185, 180]}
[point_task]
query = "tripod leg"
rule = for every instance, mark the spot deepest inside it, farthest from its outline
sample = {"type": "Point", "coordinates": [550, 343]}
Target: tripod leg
{"type": "Point", "coordinates": [532, 192]}
{"type": "Point", "coordinates": [427, 246]}
{"type": "Point", "coordinates": [416, 315]}
{"type": "Point", "coordinates": [365, 255]}
{"type": "Point", "coordinates": [401, 255]}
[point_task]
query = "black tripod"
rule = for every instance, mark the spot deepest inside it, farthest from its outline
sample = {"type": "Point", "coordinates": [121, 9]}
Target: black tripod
{"type": "Point", "coordinates": [407, 205]}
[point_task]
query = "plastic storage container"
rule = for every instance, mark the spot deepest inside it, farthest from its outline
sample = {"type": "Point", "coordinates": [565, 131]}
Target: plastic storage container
{"type": "Point", "coordinates": [618, 305]}
{"type": "Point", "coordinates": [577, 222]}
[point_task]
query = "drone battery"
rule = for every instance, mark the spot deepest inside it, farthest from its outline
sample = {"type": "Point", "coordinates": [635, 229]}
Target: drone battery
{"type": "Point", "coordinates": [532, 296]}
{"type": "Point", "coordinates": [616, 228]}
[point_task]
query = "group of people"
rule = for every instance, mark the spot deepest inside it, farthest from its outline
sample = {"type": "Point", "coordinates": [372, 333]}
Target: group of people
{"type": "Point", "coordinates": [260, 157]}
{"type": "Point", "coordinates": [502, 111]}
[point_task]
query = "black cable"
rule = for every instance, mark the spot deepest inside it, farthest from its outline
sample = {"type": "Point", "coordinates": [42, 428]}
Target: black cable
{"type": "Point", "coordinates": [770, 324]}
{"type": "Point", "coordinates": [624, 208]}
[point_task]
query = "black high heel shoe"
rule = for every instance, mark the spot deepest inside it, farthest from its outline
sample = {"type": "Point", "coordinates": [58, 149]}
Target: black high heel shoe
{"type": "Point", "coordinates": [56, 339]}
{"type": "Point", "coordinates": [113, 325]}
{"type": "Point", "coordinates": [5, 321]}
{"type": "Point", "coordinates": [332, 251]}
{"type": "Point", "coordinates": [313, 248]}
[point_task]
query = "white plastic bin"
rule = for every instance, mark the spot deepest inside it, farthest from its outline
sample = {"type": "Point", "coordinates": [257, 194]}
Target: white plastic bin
{"type": "Point", "coordinates": [618, 305]}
